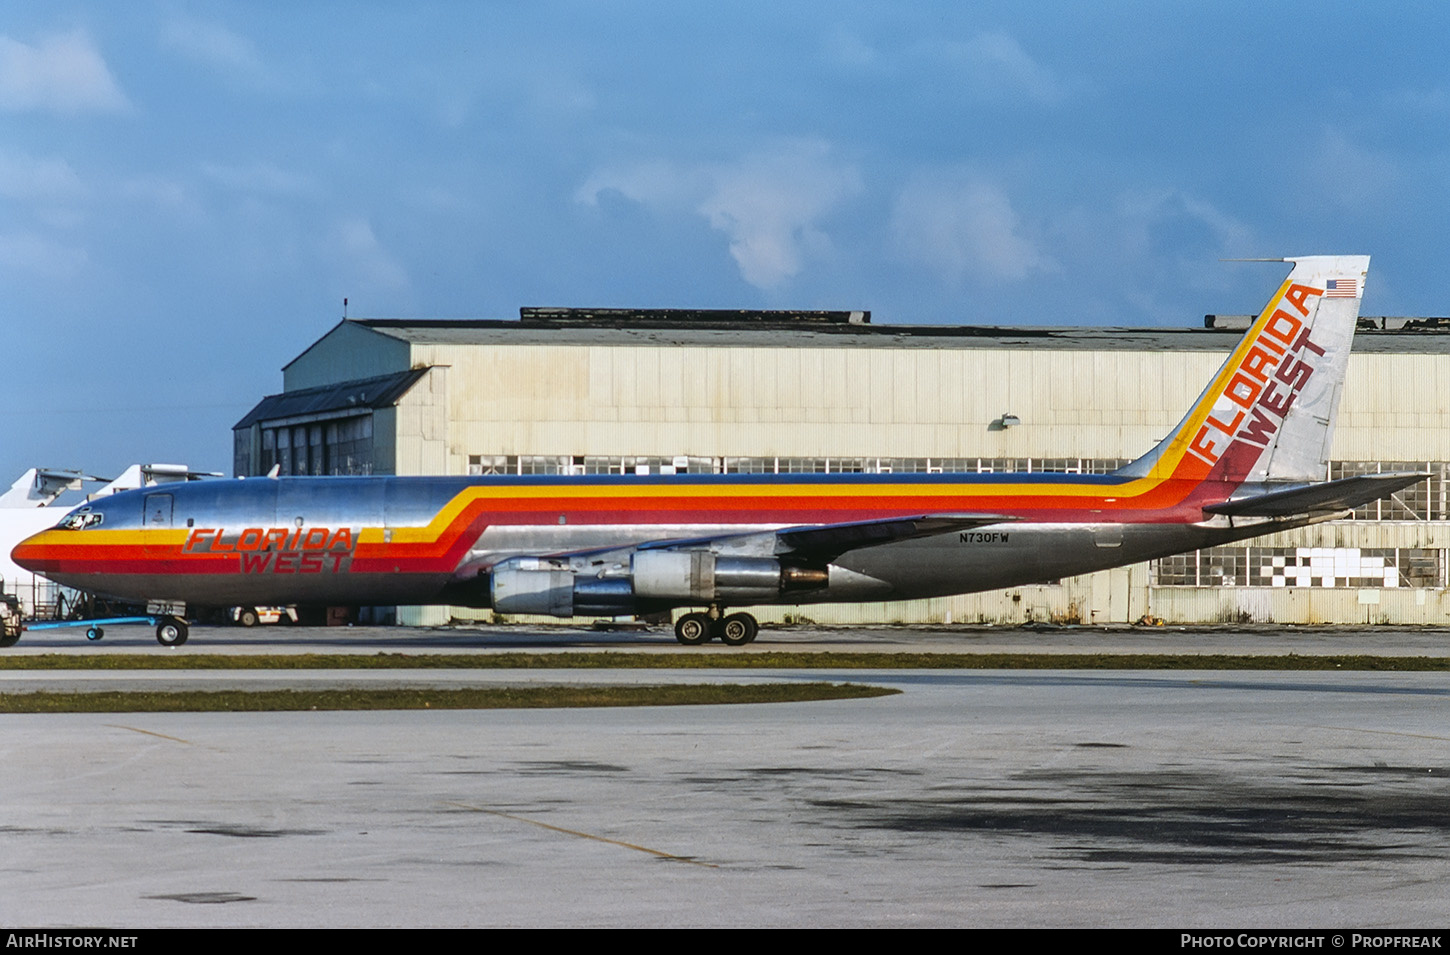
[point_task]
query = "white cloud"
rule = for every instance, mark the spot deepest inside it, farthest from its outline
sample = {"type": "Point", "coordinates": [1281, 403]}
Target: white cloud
{"type": "Point", "coordinates": [356, 247]}
{"type": "Point", "coordinates": [1158, 246]}
{"type": "Point", "coordinates": [769, 204]}
{"type": "Point", "coordinates": [217, 48]}
{"type": "Point", "coordinates": [1431, 103]}
{"type": "Point", "coordinates": [845, 48]}
{"type": "Point", "coordinates": [36, 255]}
{"type": "Point", "coordinates": [1152, 222]}
{"type": "Point", "coordinates": [64, 73]}
{"type": "Point", "coordinates": [37, 180]}
{"type": "Point", "coordinates": [656, 182]}
{"type": "Point", "coordinates": [1346, 175]}
{"type": "Point", "coordinates": [997, 67]}
{"type": "Point", "coordinates": [554, 95]}
{"type": "Point", "coordinates": [260, 177]}
{"type": "Point", "coordinates": [965, 228]}
{"type": "Point", "coordinates": [159, 194]}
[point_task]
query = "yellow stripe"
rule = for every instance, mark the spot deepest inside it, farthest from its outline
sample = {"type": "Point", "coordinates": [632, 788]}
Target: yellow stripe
{"type": "Point", "coordinates": [667, 494]}
{"type": "Point", "coordinates": [1165, 466]}
{"type": "Point", "coordinates": [663, 494]}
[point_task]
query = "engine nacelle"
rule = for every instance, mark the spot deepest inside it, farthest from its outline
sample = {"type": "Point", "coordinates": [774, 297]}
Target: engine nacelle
{"type": "Point", "coordinates": [533, 585]}
{"type": "Point", "coordinates": [554, 587]}
{"type": "Point", "coordinates": [700, 576]}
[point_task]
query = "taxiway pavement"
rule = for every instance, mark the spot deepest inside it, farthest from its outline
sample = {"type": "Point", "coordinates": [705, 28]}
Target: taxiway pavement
{"type": "Point", "coordinates": [974, 798]}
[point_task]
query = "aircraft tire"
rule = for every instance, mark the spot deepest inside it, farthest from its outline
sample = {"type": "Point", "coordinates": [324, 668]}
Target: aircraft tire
{"type": "Point", "coordinates": [95, 633]}
{"type": "Point", "coordinates": [9, 640]}
{"type": "Point", "coordinates": [738, 629]}
{"type": "Point", "coordinates": [171, 632]}
{"type": "Point", "coordinates": [693, 629]}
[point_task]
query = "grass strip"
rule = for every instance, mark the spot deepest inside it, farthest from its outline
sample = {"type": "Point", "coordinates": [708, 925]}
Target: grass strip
{"type": "Point", "coordinates": [708, 660]}
{"type": "Point", "coordinates": [488, 698]}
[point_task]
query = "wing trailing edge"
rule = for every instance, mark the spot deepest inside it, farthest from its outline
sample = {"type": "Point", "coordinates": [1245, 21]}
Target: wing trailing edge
{"type": "Point", "coordinates": [816, 542]}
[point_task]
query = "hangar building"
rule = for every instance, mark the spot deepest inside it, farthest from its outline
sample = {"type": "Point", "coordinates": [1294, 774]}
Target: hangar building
{"type": "Point", "coordinates": [580, 391]}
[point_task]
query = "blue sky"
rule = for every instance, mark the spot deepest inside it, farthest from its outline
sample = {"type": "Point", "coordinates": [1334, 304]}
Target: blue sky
{"type": "Point", "coordinates": [189, 190]}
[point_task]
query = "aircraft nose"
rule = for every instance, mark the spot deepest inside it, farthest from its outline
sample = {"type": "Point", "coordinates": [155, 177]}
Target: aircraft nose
{"type": "Point", "coordinates": [34, 553]}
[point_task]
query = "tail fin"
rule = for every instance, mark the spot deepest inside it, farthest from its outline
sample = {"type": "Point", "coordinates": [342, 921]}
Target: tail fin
{"type": "Point", "coordinates": [1268, 415]}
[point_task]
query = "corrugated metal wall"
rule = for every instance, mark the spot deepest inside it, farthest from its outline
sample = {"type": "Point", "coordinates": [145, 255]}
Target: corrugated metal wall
{"type": "Point", "coordinates": [812, 402]}
{"type": "Point", "coordinates": [870, 401]}
{"type": "Point", "coordinates": [347, 352]}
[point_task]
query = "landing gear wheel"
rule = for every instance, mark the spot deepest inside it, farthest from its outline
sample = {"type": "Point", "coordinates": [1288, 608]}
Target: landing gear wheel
{"type": "Point", "coordinates": [9, 639]}
{"type": "Point", "coordinates": [171, 632]}
{"type": "Point", "coordinates": [247, 617]}
{"type": "Point", "coordinates": [95, 633]}
{"type": "Point", "coordinates": [738, 629]}
{"type": "Point", "coordinates": [693, 629]}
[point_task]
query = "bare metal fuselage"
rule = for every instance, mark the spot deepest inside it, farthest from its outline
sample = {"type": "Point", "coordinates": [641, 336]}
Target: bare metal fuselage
{"type": "Point", "coordinates": [367, 541]}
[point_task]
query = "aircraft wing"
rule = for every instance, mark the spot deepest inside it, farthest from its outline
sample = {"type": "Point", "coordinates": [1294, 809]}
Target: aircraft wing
{"type": "Point", "coordinates": [1342, 495]}
{"type": "Point", "coordinates": [814, 541]}
{"type": "Point", "coordinates": [832, 540]}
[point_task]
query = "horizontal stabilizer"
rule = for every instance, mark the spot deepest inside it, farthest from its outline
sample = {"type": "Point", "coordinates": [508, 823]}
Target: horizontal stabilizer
{"type": "Point", "coordinates": [1342, 495]}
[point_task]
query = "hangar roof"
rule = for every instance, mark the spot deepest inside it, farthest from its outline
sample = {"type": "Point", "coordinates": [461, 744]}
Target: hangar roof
{"type": "Point", "coordinates": [345, 396]}
{"type": "Point", "coordinates": [1388, 336]}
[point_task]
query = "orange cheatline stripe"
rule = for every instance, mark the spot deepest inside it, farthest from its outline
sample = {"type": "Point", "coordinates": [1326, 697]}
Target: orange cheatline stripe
{"type": "Point", "coordinates": [1177, 451]}
{"type": "Point", "coordinates": [450, 532]}
{"type": "Point", "coordinates": [541, 497]}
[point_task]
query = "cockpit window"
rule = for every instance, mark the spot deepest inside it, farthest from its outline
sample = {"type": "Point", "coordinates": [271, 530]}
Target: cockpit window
{"type": "Point", "coordinates": [81, 519]}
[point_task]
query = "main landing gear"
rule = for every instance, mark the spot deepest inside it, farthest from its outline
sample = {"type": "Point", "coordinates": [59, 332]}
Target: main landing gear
{"type": "Point", "coordinates": [735, 630]}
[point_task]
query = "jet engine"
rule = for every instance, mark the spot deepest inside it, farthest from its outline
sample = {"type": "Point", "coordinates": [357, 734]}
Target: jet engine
{"type": "Point", "coordinates": [661, 578]}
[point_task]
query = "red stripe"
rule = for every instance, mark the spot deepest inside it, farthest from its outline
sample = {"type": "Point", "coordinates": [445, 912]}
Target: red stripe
{"type": "Point", "coordinates": [1176, 499]}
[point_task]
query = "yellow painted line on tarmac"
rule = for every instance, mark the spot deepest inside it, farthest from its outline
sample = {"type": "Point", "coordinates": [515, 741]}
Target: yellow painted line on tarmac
{"type": "Point", "coordinates": [174, 739]}
{"type": "Point", "coordinates": [583, 835]}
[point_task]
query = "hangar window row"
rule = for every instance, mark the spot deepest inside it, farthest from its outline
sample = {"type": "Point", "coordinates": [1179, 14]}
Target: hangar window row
{"type": "Point", "coordinates": [1240, 566]}
{"type": "Point", "coordinates": [685, 464]}
{"type": "Point", "coordinates": [1429, 500]}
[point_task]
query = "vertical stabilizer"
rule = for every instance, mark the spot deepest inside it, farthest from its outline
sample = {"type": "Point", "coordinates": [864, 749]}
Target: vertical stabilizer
{"type": "Point", "coordinates": [38, 487]}
{"type": "Point", "coordinates": [1268, 415]}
